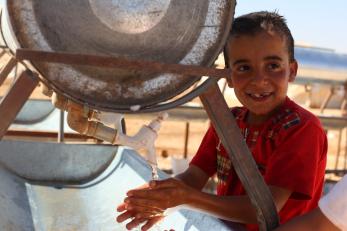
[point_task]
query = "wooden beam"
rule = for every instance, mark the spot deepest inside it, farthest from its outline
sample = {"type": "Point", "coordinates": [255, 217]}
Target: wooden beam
{"type": "Point", "coordinates": [6, 69]}
{"type": "Point", "coordinates": [242, 159]}
{"type": "Point", "coordinates": [15, 98]}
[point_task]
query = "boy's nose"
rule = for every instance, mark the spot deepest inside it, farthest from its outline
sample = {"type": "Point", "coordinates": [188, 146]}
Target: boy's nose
{"type": "Point", "coordinates": [260, 78]}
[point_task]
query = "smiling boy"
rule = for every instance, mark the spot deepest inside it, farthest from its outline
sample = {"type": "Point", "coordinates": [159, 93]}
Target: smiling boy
{"type": "Point", "coordinates": [286, 141]}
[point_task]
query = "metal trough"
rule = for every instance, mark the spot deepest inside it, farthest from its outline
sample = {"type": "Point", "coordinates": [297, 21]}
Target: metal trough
{"type": "Point", "coordinates": [76, 187]}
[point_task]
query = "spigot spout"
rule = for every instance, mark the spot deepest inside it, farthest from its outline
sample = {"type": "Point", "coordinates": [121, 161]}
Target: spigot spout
{"type": "Point", "coordinates": [144, 139]}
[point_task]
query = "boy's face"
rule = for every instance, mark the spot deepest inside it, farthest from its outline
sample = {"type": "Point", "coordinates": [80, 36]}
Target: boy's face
{"type": "Point", "coordinates": [261, 71]}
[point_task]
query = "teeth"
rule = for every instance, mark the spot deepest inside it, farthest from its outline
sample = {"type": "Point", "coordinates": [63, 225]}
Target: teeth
{"type": "Point", "coordinates": [266, 94]}
{"type": "Point", "coordinates": [261, 95]}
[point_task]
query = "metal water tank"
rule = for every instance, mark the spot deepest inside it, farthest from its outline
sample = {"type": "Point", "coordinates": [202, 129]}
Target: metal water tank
{"type": "Point", "coordinates": [170, 31]}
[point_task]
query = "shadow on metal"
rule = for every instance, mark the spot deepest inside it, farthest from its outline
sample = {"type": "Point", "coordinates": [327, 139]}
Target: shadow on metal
{"type": "Point", "coordinates": [46, 199]}
{"type": "Point", "coordinates": [55, 163]}
{"type": "Point", "coordinates": [34, 111]}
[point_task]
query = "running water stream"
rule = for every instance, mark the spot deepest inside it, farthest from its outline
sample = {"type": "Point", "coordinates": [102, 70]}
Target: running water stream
{"type": "Point", "coordinates": [154, 168]}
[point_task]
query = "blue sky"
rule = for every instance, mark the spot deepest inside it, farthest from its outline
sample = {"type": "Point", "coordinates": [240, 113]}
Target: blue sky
{"type": "Point", "coordinates": [320, 23]}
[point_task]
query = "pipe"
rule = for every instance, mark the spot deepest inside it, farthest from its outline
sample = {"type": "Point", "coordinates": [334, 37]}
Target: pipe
{"type": "Point", "coordinates": [46, 90]}
{"type": "Point", "coordinates": [110, 119]}
{"type": "Point", "coordinates": [143, 139]}
{"type": "Point", "coordinates": [78, 120]}
{"type": "Point", "coordinates": [86, 121]}
{"type": "Point", "coordinates": [59, 101]}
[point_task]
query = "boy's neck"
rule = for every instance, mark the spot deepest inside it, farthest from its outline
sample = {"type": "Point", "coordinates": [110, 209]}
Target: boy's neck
{"type": "Point", "coordinates": [257, 120]}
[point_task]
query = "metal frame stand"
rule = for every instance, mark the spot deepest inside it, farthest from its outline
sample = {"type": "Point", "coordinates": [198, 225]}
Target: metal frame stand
{"type": "Point", "coordinates": [216, 108]}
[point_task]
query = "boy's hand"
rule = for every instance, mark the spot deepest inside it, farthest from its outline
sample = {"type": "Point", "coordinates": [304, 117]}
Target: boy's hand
{"type": "Point", "coordinates": [133, 213]}
{"type": "Point", "coordinates": [138, 218]}
{"type": "Point", "coordinates": [148, 203]}
{"type": "Point", "coordinates": [160, 195]}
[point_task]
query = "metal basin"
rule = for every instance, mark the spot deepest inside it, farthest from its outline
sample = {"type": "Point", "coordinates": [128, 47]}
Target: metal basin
{"type": "Point", "coordinates": [186, 32]}
{"type": "Point", "coordinates": [41, 202]}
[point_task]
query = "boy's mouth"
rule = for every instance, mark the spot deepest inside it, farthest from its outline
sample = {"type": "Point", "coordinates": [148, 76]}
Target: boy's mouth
{"type": "Point", "coordinates": [260, 96]}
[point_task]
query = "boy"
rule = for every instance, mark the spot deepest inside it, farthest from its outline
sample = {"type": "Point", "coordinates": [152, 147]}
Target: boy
{"type": "Point", "coordinates": [287, 142]}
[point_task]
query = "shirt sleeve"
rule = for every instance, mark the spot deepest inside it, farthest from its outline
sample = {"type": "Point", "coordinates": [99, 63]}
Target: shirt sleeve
{"type": "Point", "coordinates": [298, 159]}
{"type": "Point", "coordinates": [334, 204]}
{"type": "Point", "coordinates": [206, 157]}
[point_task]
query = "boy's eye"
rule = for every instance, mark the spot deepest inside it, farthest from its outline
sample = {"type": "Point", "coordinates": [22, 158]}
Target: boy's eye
{"type": "Point", "coordinates": [243, 68]}
{"type": "Point", "coordinates": [273, 66]}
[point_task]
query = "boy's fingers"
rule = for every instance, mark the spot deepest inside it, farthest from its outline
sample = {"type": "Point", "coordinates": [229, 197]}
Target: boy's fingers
{"type": "Point", "coordinates": [121, 207]}
{"type": "Point", "coordinates": [144, 193]}
{"type": "Point", "coordinates": [141, 210]}
{"type": "Point", "coordinates": [134, 223]}
{"type": "Point", "coordinates": [171, 182]}
{"type": "Point", "coordinates": [124, 216]}
{"type": "Point", "coordinates": [151, 222]}
{"type": "Point", "coordinates": [144, 186]}
{"type": "Point", "coordinates": [154, 185]}
{"type": "Point", "coordinates": [149, 215]}
{"type": "Point", "coordinates": [140, 204]}
{"type": "Point", "coordinates": [138, 192]}
{"type": "Point", "coordinates": [141, 188]}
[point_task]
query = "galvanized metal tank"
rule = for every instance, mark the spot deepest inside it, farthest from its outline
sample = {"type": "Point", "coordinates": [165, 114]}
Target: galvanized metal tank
{"type": "Point", "coordinates": [74, 195]}
{"type": "Point", "coordinates": [169, 31]}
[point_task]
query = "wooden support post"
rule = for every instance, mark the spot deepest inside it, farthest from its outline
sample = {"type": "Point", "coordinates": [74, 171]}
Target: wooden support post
{"type": "Point", "coordinates": [2, 52]}
{"type": "Point", "coordinates": [344, 104]}
{"type": "Point", "coordinates": [243, 162]}
{"type": "Point", "coordinates": [186, 140]}
{"type": "Point", "coordinates": [337, 160]}
{"type": "Point", "coordinates": [15, 98]}
{"type": "Point", "coordinates": [327, 99]}
{"type": "Point", "coordinates": [12, 62]}
{"type": "Point", "coordinates": [345, 164]}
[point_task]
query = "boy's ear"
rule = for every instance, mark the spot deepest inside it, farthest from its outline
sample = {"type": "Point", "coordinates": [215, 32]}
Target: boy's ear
{"type": "Point", "coordinates": [226, 56]}
{"type": "Point", "coordinates": [227, 64]}
{"type": "Point", "coordinates": [293, 66]}
{"type": "Point", "coordinates": [230, 83]}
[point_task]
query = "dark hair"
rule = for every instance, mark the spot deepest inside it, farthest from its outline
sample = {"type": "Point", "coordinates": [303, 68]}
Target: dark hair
{"type": "Point", "coordinates": [250, 24]}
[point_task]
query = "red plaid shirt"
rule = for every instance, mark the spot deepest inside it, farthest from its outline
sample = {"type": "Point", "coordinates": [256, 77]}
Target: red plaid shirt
{"type": "Point", "coordinates": [290, 150]}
